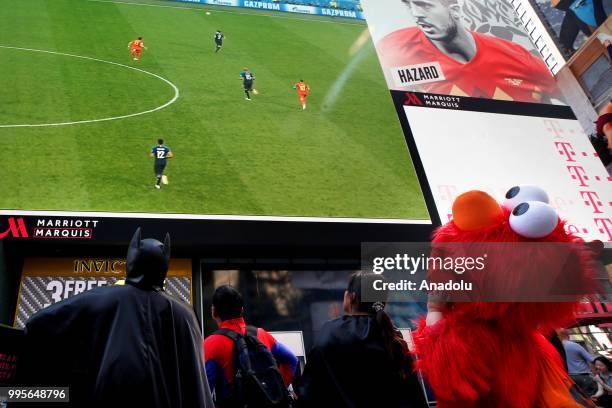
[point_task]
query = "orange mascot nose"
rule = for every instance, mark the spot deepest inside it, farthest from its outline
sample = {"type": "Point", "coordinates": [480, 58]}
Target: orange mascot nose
{"type": "Point", "coordinates": [475, 210]}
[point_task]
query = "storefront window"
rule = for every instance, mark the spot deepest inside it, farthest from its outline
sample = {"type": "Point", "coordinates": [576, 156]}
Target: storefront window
{"type": "Point", "coordinates": [597, 79]}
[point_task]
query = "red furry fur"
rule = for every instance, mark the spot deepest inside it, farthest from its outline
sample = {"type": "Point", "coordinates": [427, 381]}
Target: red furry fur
{"type": "Point", "coordinates": [491, 354]}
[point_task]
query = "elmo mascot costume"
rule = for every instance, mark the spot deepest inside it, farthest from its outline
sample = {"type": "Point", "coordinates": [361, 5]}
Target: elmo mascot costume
{"type": "Point", "coordinates": [487, 353]}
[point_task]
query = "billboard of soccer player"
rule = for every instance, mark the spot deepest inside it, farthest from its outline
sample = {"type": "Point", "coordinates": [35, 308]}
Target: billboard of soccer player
{"type": "Point", "coordinates": [474, 48]}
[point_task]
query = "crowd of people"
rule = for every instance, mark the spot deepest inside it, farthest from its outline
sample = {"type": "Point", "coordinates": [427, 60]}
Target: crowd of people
{"type": "Point", "coordinates": [590, 373]}
{"type": "Point", "coordinates": [332, 377]}
{"type": "Point", "coordinates": [133, 343]}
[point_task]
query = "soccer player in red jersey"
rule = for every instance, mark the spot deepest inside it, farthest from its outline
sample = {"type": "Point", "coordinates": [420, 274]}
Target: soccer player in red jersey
{"type": "Point", "coordinates": [136, 47]}
{"type": "Point", "coordinates": [303, 89]}
{"type": "Point", "coordinates": [456, 61]}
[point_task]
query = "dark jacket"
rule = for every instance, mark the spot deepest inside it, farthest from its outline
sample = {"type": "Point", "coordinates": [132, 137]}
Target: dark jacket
{"type": "Point", "coordinates": [11, 343]}
{"type": "Point", "coordinates": [349, 367]}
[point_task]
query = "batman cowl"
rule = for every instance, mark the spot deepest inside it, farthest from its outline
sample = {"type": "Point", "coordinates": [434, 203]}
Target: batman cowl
{"type": "Point", "coordinates": [147, 262]}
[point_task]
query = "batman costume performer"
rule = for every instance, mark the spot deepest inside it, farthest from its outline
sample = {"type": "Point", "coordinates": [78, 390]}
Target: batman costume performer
{"type": "Point", "coordinates": [130, 345]}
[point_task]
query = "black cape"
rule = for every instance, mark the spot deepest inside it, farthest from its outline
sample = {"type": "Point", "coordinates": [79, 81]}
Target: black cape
{"type": "Point", "coordinates": [349, 367]}
{"type": "Point", "coordinates": [11, 343]}
{"type": "Point", "coordinates": [118, 346]}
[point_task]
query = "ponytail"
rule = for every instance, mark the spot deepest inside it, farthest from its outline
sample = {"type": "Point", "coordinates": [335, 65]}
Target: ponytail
{"type": "Point", "coordinates": [393, 341]}
{"type": "Point", "coordinates": [396, 347]}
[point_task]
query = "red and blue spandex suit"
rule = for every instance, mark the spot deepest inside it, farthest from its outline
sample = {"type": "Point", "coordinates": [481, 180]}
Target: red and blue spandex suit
{"type": "Point", "coordinates": [218, 354]}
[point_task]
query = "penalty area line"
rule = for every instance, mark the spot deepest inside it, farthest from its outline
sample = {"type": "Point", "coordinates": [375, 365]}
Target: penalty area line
{"type": "Point", "coordinates": [165, 105]}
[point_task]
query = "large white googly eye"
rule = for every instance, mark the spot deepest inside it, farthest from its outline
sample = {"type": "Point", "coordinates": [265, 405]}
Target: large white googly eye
{"type": "Point", "coordinates": [533, 219]}
{"type": "Point", "coordinates": [522, 194]}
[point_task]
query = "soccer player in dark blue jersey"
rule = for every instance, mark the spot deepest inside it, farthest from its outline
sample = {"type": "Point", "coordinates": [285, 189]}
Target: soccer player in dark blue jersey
{"type": "Point", "coordinates": [247, 78]}
{"type": "Point", "coordinates": [219, 40]}
{"type": "Point", "coordinates": [161, 153]}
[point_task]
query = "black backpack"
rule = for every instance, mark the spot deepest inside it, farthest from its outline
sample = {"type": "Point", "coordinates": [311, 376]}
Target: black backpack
{"type": "Point", "coordinates": [257, 381]}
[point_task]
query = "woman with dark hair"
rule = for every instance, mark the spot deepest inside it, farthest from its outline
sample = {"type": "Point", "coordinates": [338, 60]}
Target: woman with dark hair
{"type": "Point", "coordinates": [603, 397]}
{"type": "Point", "coordinates": [360, 359]}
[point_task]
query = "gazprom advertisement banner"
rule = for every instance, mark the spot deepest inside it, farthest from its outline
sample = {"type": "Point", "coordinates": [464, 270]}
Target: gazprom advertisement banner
{"type": "Point", "coordinates": [289, 8]}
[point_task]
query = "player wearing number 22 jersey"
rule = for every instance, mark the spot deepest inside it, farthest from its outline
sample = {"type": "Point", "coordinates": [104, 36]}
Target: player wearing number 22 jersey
{"type": "Point", "coordinates": [161, 153]}
{"type": "Point", "coordinates": [247, 78]}
{"type": "Point", "coordinates": [218, 40]}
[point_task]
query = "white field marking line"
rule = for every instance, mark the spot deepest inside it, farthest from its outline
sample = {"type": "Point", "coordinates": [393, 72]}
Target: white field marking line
{"type": "Point", "coordinates": [221, 11]}
{"type": "Point", "coordinates": [165, 105]}
{"type": "Point", "coordinates": [104, 214]}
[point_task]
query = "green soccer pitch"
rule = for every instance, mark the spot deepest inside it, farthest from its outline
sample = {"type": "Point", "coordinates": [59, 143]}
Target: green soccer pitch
{"type": "Point", "coordinates": [345, 156]}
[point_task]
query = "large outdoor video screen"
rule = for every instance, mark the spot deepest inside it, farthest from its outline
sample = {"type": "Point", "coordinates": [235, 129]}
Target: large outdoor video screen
{"type": "Point", "coordinates": [79, 116]}
{"type": "Point", "coordinates": [553, 153]}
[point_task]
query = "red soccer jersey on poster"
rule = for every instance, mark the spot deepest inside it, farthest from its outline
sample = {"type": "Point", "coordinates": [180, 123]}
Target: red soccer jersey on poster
{"type": "Point", "coordinates": [500, 69]}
